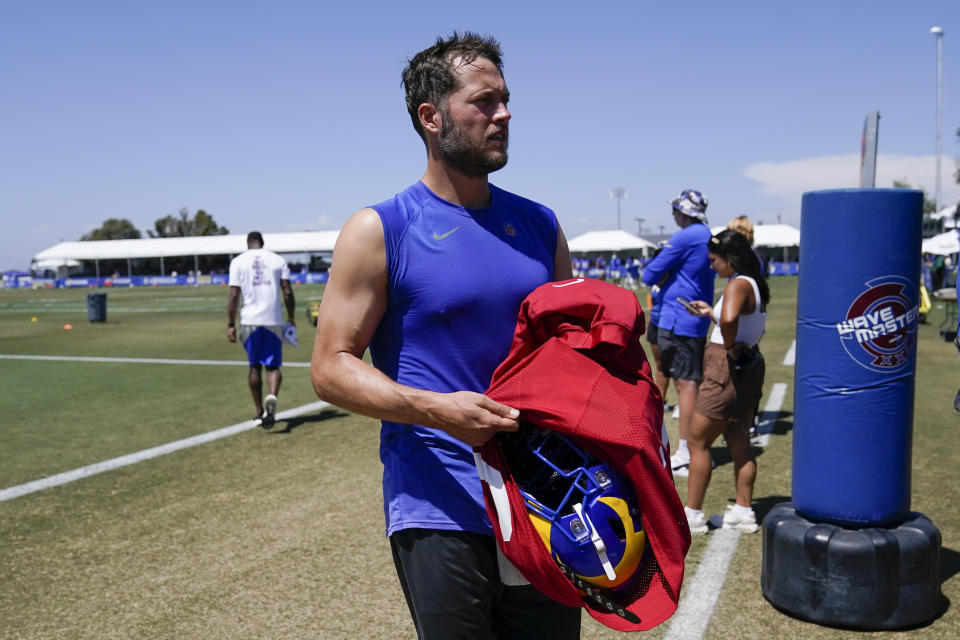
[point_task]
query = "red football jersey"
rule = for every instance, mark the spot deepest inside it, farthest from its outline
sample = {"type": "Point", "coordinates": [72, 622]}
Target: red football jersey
{"type": "Point", "coordinates": [576, 366]}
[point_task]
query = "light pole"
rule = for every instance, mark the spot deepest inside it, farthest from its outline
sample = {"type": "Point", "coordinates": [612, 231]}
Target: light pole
{"type": "Point", "coordinates": [619, 193]}
{"type": "Point", "coordinates": [938, 33]}
{"type": "Point", "coordinates": [639, 225]}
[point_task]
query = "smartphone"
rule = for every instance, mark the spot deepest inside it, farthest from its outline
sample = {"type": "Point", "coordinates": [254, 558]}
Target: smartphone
{"type": "Point", "coordinates": [686, 305]}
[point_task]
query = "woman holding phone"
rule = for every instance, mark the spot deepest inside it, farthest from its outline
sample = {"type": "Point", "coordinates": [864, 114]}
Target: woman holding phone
{"type": "Point", "coordinates": [733, 371]}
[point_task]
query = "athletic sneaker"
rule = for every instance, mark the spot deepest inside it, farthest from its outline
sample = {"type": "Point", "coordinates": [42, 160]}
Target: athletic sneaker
{"type": "Point", "coordinates": [257, 421]}
{"type": "Point", "coordinates": [956, 402]}
{"type": "Point", "coordinates": [269, 411]}
{"type": "Point", "coordinates": [679, 458]}
{"type": "Point", "coordinates": [676, 412]}
{"type": "Point", "coordinates": [744, 523]}
{"type": "Point", "coordinates": [683, 470]}
{"type": "Point", "coordinates": [680, 463]}
{"type": "Point", "coordinates": [697, 524]}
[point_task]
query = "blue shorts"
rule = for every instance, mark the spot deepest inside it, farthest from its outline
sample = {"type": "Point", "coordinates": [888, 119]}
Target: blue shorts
{"type": "Point", "coordinates": [263, 346]}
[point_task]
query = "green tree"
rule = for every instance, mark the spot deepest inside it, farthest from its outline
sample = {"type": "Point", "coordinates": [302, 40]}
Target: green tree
{"type": "Point", "coordinates": [183, 225]}
{"type": "Point", "coordinates": [929, 205]}
{"type": "Point", "coordinates": [113, 229]}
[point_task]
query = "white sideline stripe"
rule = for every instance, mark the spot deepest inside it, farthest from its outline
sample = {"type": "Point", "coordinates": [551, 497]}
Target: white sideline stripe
{"type": "Point", "coordinates": [147, 454]}
{"type": "Point", "coordinates": [700, 595]}
{"type": "Point", "coordinates": [791, 358]}
{"type": "Point", "coordinates": [768, 417]}
{"type": "Point", "coordinates": [696, 607]}
{"type": "Point", "coordinates": [141, 360]}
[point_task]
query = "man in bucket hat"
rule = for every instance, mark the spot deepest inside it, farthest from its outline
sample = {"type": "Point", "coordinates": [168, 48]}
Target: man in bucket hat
{"type": "Point", "coordinates": [681, 336]}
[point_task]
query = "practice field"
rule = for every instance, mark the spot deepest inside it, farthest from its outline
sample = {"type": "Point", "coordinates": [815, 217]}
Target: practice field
{"type": "Point", "coordinates": [279, 534]}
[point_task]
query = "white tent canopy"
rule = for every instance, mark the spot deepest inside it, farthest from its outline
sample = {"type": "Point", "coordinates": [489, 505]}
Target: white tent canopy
{"type": "Point", "coordinates": [948, 215]}
{"type": "Point", "coordinates": [771, 235]}
{"type": "Point", "coordinates": [55, 263]}
{"type": "Point", "coordinates": [944, 244]}
{"type": "Point", "coordinates": [300, 242]}
{"type": "Point", "coordinates": [616, 240]}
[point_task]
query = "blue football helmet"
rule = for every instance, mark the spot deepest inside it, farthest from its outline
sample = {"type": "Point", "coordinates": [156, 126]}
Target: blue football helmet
{"type": "Point", "coordinates": [585, 512]}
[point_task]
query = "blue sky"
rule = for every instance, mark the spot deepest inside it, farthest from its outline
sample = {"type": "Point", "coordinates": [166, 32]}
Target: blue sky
{"type": "Point", "coordinates": [286, 116]}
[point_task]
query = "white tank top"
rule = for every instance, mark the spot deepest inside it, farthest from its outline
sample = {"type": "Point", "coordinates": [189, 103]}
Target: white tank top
{"type": "Point", "coordinates": [751, 326]}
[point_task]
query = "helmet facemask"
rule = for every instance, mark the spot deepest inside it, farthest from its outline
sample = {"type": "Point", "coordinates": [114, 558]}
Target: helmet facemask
{"type": "Point", "coordinates": [585, 512]}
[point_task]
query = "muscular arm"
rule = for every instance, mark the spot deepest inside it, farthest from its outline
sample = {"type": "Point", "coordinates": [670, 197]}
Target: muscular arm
{"type": "Point", "coordinates": [232, 302]}
{"type": "Point", "coordinates": [562, 269]}
{"type": "Point", "coordinates": [354, 302]}
{"type": "Point", "coordinates": [738, 299]}
{"type": "Point", "coordinates": [288, 301]}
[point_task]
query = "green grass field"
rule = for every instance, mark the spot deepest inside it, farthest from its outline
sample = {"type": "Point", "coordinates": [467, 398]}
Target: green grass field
{"type": "Point", "coordinates": [279, 534]}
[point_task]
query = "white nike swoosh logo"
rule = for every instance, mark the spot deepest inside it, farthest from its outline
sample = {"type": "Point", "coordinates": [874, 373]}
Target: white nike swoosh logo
{"type": "Point", "coordinates": [567, 284]}
{"type": "Point", "coordinates": [439, 237]}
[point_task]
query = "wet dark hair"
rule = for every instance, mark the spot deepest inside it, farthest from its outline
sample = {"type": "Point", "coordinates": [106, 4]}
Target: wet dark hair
{"type": "Point", "coordinates": [734, 247]}
{"type": "Point", "coordinates": [430, 77]}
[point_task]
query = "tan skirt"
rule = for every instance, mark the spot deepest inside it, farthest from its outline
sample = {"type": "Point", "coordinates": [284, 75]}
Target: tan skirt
{"type": "Point", "coordinates": [732, 383]}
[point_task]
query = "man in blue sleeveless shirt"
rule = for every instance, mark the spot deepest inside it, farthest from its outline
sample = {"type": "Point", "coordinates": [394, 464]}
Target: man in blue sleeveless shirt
{"type": "Point", "coordinates": [431, 281]}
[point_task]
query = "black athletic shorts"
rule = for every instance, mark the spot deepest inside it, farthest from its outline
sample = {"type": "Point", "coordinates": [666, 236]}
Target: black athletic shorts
{"type": "Point", "coordinates": [453, 589]}
{"type": "Point", "coordinates": [652, 333]}
{"type": "Point", "coordinates": [681, 357]}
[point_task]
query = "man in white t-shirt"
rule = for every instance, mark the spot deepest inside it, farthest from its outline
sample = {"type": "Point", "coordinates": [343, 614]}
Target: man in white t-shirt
{"type": "Point", "coordinates": [261, 276]}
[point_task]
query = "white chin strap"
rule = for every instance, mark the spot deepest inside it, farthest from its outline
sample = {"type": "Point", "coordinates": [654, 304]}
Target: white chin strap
{"type": "Point", "coordinates": [597, 543]}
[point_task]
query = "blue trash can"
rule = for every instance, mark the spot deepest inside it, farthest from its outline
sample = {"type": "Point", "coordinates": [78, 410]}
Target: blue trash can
{"type": "Point", "coordinates": [97, 307]}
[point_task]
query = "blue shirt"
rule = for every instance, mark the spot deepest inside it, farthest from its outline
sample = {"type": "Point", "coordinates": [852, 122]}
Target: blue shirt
{"type": "Point", "coordinates": [456, 278]}
{"type": "Point", "coordinates": [653, 315]}
{"type": "Point", "coordinates": [685, 258]}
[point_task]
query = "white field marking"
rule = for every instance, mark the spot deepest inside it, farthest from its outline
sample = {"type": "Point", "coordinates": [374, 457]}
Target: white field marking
{"type": "Point", "coordinates": [701, 592]}
{"type": "Point", "coordinates": [768, 417]}
{"type": "Point", "coordinates": [147, 454]}
{"type": "Point", "coordinates": [791, 358]}
{"type": "Point", "coordinates": [141, 360]}
{"type": "Point", "coordinates": [699, 598]}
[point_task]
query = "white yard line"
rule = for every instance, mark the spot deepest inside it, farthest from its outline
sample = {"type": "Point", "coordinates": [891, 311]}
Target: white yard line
{"type": "Point", "coordinates": [768, 417]}
{"type": "Point", "coordinates": [791, 358]}
{"type": "Point", "coordinates": [231, 363]}
{"type": "Point", "coordinates": [701, 592]}
{"type": "Point", "coordinates": [147, 454]}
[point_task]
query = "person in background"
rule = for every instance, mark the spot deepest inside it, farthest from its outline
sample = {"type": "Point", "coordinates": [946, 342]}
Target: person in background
{"type": "Point", "coordinates": [937, 271]}
{"type": "Point", "coordinates": [262, 277]}
{"type": "Point", "coordinates": [733, 372]}
{"type": "Point", "coordinates": [653, 317]}
{"type": "Point", "coordinates": [743, 226]}
{"type": "Point", "coordinates": [956, 341]}
{"type": "Point", "coordinates": [431, 281]}
{"type": "Point", "coordinates": [681, 337]}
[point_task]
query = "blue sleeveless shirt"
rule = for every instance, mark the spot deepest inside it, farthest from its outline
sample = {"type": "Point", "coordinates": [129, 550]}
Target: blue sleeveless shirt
{"type": "Point", "coordinates": [455, 281]}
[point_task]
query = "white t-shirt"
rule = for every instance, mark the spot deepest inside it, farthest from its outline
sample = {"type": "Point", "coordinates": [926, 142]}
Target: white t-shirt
{"type": "Point", "coordinates": [258, 273]}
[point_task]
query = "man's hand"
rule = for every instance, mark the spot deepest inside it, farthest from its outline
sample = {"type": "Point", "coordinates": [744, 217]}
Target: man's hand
{"type": "Point", "coordinates": [232, 334]}
{"type": "Point", "coordinates": [472, 417]}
